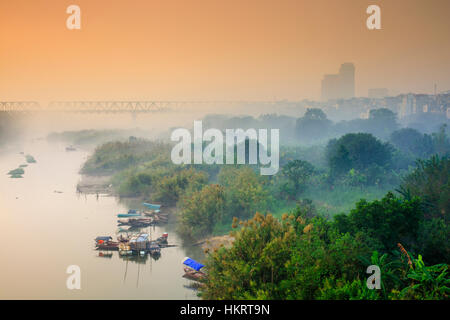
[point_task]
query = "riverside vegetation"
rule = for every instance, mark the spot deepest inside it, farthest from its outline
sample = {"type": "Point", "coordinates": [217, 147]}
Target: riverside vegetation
{"type": "Point", "coordinates": [335, 207]}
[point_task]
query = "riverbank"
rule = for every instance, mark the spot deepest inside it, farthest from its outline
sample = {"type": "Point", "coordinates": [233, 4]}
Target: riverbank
{"type": "Point", "coordinates": [212, 243]}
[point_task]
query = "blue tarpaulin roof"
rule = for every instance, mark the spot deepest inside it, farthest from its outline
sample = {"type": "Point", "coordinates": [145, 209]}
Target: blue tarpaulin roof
{"type": "Point", "coordinates": [193, 264]}
{"type": "Point", "coordinates": [152, 206]}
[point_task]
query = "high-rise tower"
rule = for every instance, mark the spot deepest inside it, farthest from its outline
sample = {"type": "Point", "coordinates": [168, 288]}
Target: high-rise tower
{"type": "Point", "coordinates": [341, 85]}
{"type": "Point", "coordinates": [347, 80]}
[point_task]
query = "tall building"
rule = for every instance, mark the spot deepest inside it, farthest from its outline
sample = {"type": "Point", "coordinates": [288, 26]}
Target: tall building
{"type": "Point", "coordinates": [341, 85]}
{"type": "Point", "coordinates": [347, 80]}
{"type": "Point", "coordinates": [330, 87]}
{"type": "Point", "coordinates": [408, 105]}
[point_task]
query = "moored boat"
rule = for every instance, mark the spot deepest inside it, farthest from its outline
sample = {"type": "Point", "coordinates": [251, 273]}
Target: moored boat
{"type": "Point", "coordinates": [152, 206]}
{"type": "Point", "coordinates": [193, 269]}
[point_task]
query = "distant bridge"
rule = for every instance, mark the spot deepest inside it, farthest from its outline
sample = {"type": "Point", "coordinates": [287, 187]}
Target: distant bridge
{"type": "Point", "coordinates": [132, 107]}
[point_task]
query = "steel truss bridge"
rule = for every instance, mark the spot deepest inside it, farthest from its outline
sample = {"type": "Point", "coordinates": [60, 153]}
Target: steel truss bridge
{"type": "Point", "coordinates": [133, 107]}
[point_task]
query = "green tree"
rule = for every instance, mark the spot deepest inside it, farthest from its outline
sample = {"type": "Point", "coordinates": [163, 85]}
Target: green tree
{"type": "Point", "coordinates": [430, 180]}
{"type": "Point", "coordinates": [387, 221]}
{"type": "Point", "coordinates": [382, 122]}
{"type": "Point", "coordinates": [246, 191]}
{"type": "Point", "coordinates": [201, 210]}
{"type": "Point", "coordinates": [288, 259]}
{"type": "Point", "coordinates": [314, 125]}
{"type": "Point", "coordinates": [298, 173]}
{"type": "Point", "coordinates": [359, 151]}
{"type": "Point", "coordinates": [411, 141]}
{"type": "Point", "coordinates": [170, 188]}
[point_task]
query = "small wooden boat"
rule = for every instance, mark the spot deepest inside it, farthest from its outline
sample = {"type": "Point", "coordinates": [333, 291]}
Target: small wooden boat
{"type": "Point", "coordinates": [193, 275]}
{"type": "Point", "coordinates": [192, 269]}
{"type": "Point", "coordinates": [109, 245]}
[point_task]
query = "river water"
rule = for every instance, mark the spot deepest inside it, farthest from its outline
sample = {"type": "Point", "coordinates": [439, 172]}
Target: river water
{"type": "Point", "coordinates": [43, 232]}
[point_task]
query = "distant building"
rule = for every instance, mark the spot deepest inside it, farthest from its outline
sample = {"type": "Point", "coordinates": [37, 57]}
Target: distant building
{"type": "Point", "coordinates": [347, 80]}
{"type": "Point", "coordinates": [330, 87]}
{"type": "Point", "coordinates": [408, 105]}
{"type": "Point", "coordinates": [341, 85]}
{"type": "Point", "coordinates": [378, 93]}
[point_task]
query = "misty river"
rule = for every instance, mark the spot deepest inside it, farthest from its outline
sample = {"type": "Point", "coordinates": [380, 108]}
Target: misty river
{"type": "Point", "coordinates": [46, 226]}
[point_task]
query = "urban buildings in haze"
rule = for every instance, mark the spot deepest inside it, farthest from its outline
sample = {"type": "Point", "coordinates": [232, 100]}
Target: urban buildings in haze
{"type": "Point", "coordinates": [341, 85]}
{"type": "Point", "coordinates": [378, 93]}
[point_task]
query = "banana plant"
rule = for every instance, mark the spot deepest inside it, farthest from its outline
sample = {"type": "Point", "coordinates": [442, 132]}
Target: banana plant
{"type": "Point", "coordinates": [429, 282]}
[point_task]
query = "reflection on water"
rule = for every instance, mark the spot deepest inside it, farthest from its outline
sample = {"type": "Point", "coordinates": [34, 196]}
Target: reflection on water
{"type": "Point", "coordinates": [47, 226]}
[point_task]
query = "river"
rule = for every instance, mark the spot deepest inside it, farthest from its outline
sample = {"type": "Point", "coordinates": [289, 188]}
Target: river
{"type": "Point", "coordinates": [46, 227]}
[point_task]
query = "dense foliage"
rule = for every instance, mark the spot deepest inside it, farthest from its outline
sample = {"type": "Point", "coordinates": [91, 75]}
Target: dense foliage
{"type": "Point", "coordinates": [313, 258]}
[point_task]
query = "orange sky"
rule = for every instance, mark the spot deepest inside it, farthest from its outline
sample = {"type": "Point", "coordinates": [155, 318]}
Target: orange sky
{"type": "Point", "coordinates": [218, 50]}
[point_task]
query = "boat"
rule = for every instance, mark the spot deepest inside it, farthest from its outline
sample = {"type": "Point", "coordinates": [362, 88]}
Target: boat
{"type": "Point", "coordinates": [109, 245]}
{"type": "Point", "coordinates": [128, 215]}
{"type": "Point", "coordinates": [153, 248]}
{"type": "Point", "coordinates": [71, 148]}
{"type": "Point", "coordinates": [193, 269]}
{"type": "Point", "coordinates": [139, 242]}
{"type": "Point", "coordinates": [125, 249]}
{"type": "Point", "coordinates": [103, 238]}
{"type": "Point", "coordinates": [162, 241]}
{"type": "Point", "coordinates": [106, 243]}
{"type": "Point", "coordinates": [136, 223]}
{"type": "Point", "coordinates": [152, 206]}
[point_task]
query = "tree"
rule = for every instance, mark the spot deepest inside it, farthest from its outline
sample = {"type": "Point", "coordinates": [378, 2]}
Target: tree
{"type": "Point", "coordinates": [387, 221]}
{"type": "Point", "coordinates": [171, 187]}
{"type": "Point", "coordinates": [314, 125]}
{"type": "Point", "coordinates": [382, 122]}
{"type": "Point", "coordinates": [441, 142]}
{"type": "Point", "coordinates": [298, 172]}
{"type": "Point", "coordinates": [412, 142]}
{"type": "Point", "coordinates": [359, 151]}
{"type": "Point", "coordinates": [201, 210]}
{"type": "Point", "coordinates": [269, 259]}
{"type": "Point", "coordinates": [430, 180]}
{"type": "Point", "coordinates": [245, 191]}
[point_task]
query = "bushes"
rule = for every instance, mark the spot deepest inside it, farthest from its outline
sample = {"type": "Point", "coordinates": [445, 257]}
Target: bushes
{"type": "Point", "coordinates": [430, 180]}
{"type": "Point", "coordinates": [169, 189]}
{"type": "Point", "coordinates": [246, 192]}
{"type": "Point", "coordinates": [303, 258]}
{"type": "Point", "coordinates": [201, 210]}
{"type": "Point", "coordinates": [115, 156]}
{"type": "Point", "coordinates": [271, 260]}
{"type": "Point", "coordinates": [298, 173]}
{"type": "Point", "coordinates": [388, 221]}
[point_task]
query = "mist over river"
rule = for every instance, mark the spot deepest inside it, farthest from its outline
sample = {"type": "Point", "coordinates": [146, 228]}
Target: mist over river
{"type": "Point", "coordinates": [46, 227]}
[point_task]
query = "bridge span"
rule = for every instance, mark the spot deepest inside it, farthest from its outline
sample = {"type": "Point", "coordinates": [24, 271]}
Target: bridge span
{"type": "Point", "coordinates": [133, 107]}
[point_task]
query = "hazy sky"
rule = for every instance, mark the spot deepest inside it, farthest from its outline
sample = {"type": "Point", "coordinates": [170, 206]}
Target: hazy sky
{"type": "Point", "coordinates": [218, 50]}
